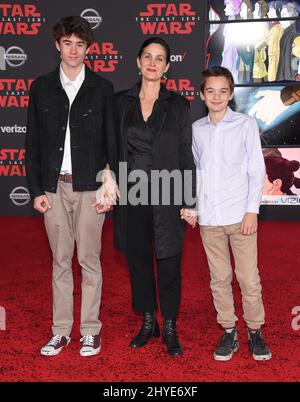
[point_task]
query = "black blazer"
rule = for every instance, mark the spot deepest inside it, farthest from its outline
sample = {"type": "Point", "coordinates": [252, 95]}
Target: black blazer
{"type": "Point", "coordinates": [172, 149]}
{"type": "Point", "coordinates": [92, 130]}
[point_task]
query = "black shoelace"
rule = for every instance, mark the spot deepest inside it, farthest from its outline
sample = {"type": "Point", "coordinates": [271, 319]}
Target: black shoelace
{"type": "Point", "coordinates": [257, 339]}
{"type": "Point", "coordinates": [227, 339]}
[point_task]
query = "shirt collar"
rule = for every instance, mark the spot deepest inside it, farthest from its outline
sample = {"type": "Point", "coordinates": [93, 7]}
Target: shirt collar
{"type": "Point", "coordinates": [229, 116]}
{"type": "Point", "coordinates": [75, 83]}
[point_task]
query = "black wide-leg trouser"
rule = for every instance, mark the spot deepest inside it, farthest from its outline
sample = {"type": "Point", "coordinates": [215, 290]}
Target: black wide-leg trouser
{"type": "Point", "coordinates": [140, 258]}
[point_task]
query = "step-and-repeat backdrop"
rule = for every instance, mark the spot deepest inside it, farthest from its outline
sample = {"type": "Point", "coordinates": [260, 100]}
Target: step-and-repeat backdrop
{"type": "Point", "coordinates": [195, 31]}
{"type": "Point", "coordinates": [120, 26]}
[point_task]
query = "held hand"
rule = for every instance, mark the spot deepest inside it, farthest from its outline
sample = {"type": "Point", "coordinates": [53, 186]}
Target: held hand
{"type": "Point", "coordinates": [108, 193]}
{"type": "Point", "coordinates": [100, 209]}
{"type": "Point", "coordinates": [41, 203]}
{"type": "Point", "coordinates": [189, 215]}
{"type": "Point", "coordinates": [249, 224]}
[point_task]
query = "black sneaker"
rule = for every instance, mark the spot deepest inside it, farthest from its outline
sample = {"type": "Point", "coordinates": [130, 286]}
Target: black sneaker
{"type": "Point", "coordinates": [257, 346]}
{"type": "Point", "coordinates": [227, 346]}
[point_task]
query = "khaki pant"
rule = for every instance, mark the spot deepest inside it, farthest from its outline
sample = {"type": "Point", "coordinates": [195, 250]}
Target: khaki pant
{"type": "Point", "coordinates": [216, 241]}
{"type": "Point", "coordinates": [71, 219]}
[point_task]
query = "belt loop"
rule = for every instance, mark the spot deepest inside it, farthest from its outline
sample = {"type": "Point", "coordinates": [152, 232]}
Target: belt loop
{"type": "Point", "coordinates": [66, 178]}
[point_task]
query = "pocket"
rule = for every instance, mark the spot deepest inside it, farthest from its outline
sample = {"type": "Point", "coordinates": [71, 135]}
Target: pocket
{"type": "Point", "coordinates": [92, 119]}
{"type": "Point", "coordinates": [50, 120]}
{"type": "Point", "coordinates": [92, 111]}
{"type": "Point", "coordinates": [92, 114]}
{"type": "Point", "coordinates": [50, 111]}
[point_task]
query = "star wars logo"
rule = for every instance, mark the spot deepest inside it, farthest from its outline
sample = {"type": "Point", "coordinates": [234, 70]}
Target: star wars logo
{"type": "Point", "coordinates": [182, 86]}
{"type": "Point", "coordinates": [168, 19]}
{"type": "Point", "coordinates": [20, 19]}
{"type": "Point", "coordinates": [14, 92]}
{"type": "Point", "coordinates": [12, 162]}
{"type": "Point", "coordinates": [103, 57]}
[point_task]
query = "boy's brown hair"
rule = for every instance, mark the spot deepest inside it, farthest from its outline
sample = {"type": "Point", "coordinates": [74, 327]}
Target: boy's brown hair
{"type": "Point", "coordinates": [76, 25]}
{"type": "Point", "coordinates": [217, 71]}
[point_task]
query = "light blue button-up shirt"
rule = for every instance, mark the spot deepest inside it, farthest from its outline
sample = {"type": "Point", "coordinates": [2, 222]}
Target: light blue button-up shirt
{"type": "Point", "coordinates": [230, 168]}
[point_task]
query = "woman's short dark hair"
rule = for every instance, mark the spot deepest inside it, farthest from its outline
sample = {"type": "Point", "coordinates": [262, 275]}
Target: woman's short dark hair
{"type": "Point", "coordinates": [159, 41]}
{"type": "Point", "coordinates": [217, 71]}
{"type": "Point", "coordinates": [76, 25]}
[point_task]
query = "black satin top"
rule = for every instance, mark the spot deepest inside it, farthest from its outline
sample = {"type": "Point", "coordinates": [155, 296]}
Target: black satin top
{"type": "Point", "coordinates": [140, 135]}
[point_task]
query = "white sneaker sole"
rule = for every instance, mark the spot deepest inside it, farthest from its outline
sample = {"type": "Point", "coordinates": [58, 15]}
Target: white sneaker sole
{"type": "Point", "coordinates": [220, 358]}
{"type": "Point", "coordinates": [262, 358]}
{"type": "Point", "coordinates": [52, 351]}
{"type": "Point", "coordinates": [92, 352]}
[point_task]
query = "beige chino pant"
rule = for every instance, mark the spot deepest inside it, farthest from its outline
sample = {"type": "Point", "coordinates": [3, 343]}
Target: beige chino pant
{"type": "Point", "coordinates": [216, 240]}
{"type": "Point", "coordinates": [72, 219]}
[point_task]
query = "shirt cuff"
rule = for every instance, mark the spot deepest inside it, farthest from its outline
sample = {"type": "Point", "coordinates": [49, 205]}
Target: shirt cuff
{"type": "Point", "coordinates": [253, 207]}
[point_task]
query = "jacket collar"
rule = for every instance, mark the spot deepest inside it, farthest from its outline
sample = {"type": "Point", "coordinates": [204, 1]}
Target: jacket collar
{"type": "Point", "coordinates": [135, 91]}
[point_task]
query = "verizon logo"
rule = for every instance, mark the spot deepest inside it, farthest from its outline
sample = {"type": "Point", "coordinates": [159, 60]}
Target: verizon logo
{"type": "Point", "coordinates": [13, 129]}
{"type": "Point", "coordinates": [177, 57]}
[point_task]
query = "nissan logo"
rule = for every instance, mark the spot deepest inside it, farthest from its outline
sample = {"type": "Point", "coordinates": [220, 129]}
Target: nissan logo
{"type": "Point", "coordinates": [15, 56]}
{"type": "Point", "coordinates": [92, 16]}
{"type": "Point", "coordinates": [20, 196]}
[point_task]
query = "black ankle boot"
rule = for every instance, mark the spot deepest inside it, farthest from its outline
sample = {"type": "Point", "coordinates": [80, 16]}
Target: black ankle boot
{"type": "Point", "coordinates": [148, 330]}
{"type": "Point", "coordinates": [170, 337]}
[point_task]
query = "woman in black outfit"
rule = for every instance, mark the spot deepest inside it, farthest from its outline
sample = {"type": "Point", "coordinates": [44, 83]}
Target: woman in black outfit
{"type": "Point", "coordinates": [155, 134]}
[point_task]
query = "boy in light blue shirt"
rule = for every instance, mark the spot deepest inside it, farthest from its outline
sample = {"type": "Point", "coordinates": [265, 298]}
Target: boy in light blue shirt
{"type": "Point", "coordinates": [229, 159]}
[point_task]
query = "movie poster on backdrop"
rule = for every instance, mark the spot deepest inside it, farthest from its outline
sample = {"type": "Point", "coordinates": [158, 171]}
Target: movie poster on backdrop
{"type": "Point", "coordinates": [276, 111]}
{"type": "Point", "coordinates": [282, 180]}
{"type": "Point", "coordinates": [258, 41]}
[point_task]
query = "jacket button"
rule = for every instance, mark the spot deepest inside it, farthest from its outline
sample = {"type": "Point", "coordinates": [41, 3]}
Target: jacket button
{"type": "Point", "coordinates": [52, 188]}
{"type": "Point", "coordinates": [60, 149]}
{"type": "Point", "coordinates": [90, 110]}
{"type": "Point", "coordinates": [63, 128]}
{"type": "Point", "coordinates": [66, 106]}
{"type": "Point", "coordinates": [75, 146]}
{"type": "Point", "coordinates": [56, 169]}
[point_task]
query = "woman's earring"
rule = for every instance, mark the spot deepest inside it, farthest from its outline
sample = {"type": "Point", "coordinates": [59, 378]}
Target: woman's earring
{"type": "Point", "coordinates": [139, 72]}
{"type": "Point", "coordinates": [165, 76]}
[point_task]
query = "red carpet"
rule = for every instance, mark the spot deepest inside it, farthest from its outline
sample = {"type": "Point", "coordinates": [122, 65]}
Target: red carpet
{"type": "Point", "coordinates": [25, 286]}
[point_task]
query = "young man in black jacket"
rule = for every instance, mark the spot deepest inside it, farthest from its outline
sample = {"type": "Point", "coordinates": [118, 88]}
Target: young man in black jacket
{"type": "Point", "coordinates": [70, 138]}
